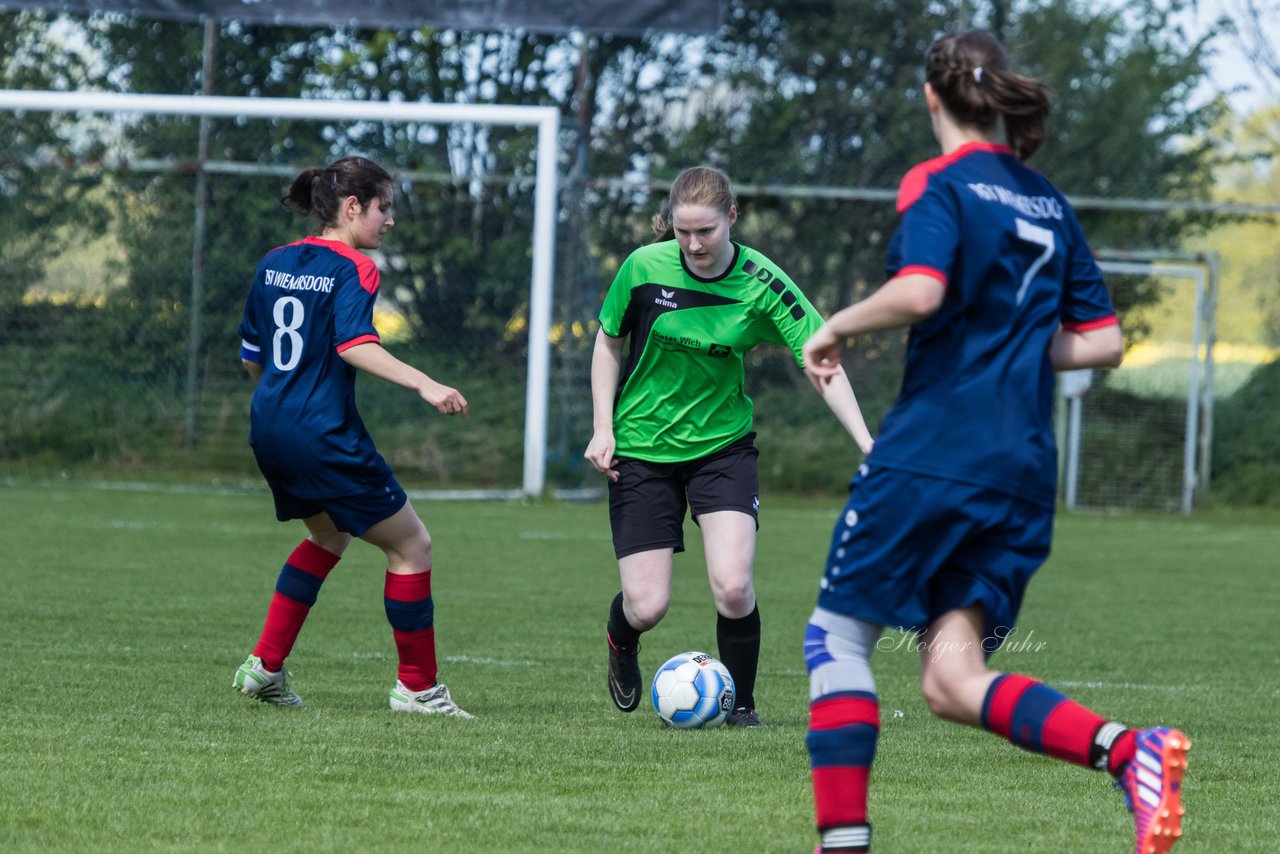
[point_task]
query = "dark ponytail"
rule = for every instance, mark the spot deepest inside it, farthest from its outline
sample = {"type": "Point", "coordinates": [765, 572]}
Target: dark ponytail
{"type": "Point", "coordinates": [971, 75]}
{"type": "Point", "coordinates": [320, 192]}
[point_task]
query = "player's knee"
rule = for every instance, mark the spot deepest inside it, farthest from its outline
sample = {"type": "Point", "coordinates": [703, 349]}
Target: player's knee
{"type": "Point", "coordinates": [334, 542]}
{"type": "Point", "coordinates": [939, 695]}
{"type": "Point", "coordinates": [410, 554]}
{"type": "Point", "coordinates": [422, 546]}
{"type": "Point", "coordinates": [736, 597]}
{"type": "Point", "coordinates": [645, 612]}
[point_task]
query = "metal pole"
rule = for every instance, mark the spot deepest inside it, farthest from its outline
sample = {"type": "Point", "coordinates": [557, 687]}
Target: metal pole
{"type": "Point", "coordinates": [544, 247]}
{"type": "Point", "coordinates": [1206, 392]}
{"type": "Point", "coordinates": [1193, 402]}
{"type": "Point", "coordinates": [197, 242]}
{"type": "Point", "coordinates": [1075, 406]}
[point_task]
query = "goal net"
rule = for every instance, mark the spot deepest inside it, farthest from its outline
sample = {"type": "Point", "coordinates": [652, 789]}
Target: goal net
{"type": "Point", "coordinates": [1139, 436]}
{"type": "Point", "coordinates": [135, 224]}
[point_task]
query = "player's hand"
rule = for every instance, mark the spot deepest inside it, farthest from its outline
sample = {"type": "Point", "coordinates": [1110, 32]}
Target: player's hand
{"type": "Point", "coordinates": [600, 454]}
{"type": "Point", "coordinates": [446, 400]}
{"type": "Point", "coordinates": [821, 356]}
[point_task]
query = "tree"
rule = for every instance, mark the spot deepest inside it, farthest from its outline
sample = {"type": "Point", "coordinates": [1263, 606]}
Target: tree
{"type": "Point", "coordinates": [1249, 249]}
{"type": "Point", "coordinates": [38, 202]}
{"type": "Point", "coordinates": [829, 94]}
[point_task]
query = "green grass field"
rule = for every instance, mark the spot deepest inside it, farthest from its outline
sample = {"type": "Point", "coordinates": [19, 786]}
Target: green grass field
{"type": "Point", "coordinates": [124, 614]}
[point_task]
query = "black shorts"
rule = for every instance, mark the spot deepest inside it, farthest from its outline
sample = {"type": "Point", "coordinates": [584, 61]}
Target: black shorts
{"type": "Point", "coordinates": [648, 500]}
{"type": "Point", "coordinates": [353, 515]}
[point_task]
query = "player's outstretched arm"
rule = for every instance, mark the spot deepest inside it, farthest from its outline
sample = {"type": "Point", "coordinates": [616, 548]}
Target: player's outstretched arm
{"type": "Point", "coordinates": [840, 399]}
{"type": "Point", "coordinates": [901, 301]}
{"type": "Point", "coordinates": [373, 359]}
{"type": "Point", "coordinates": [606, 367]}
{"type": "Point", "coordinates": [1092, 348]}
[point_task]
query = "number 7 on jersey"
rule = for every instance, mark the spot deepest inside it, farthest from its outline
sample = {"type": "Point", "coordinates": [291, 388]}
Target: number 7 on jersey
{"type": "Point", "coordinates": [1041, 237]}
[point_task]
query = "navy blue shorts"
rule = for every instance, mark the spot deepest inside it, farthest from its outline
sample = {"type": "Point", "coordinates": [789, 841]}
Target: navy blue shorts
{"type": "Point", "coordinates": [647, 502]}
{"type": "Point", "coordinates": [352, 514]}
{"type": "Point", "coordinates": [909, 548]}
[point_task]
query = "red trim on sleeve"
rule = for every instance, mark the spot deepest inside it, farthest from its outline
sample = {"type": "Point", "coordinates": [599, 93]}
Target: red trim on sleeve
{"type": "Point", "coordinates": [1086, 325]}
{"type": "Point", "coordinates": [922, 270]}
{"type": "Point", "coordinates": [363, 339]}
{"type": "Point", "coordinates": [915, 181]}
{"type": "Point", "coordinates": [365, 268]}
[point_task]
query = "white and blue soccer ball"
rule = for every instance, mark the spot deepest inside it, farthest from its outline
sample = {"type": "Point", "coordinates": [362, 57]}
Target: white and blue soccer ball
{"type": "Point", "coordinates": [692, 690]}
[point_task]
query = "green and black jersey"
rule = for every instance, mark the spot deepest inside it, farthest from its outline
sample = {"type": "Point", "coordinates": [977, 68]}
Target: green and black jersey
{"type": "Point", "coordinates": [680, 395]}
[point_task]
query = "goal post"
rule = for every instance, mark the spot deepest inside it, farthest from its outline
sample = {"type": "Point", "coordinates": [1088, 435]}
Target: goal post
{"type": "Point", "coordinates": [1153, 395]}
{"type": "Point", "coordinates": [545, 120]}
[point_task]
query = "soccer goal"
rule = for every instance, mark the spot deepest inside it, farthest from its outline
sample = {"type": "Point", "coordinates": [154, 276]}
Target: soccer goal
{"type": "Point", "coordinates": [152, 211]}
{"type": "Point", "coordinates": [1140, 436]}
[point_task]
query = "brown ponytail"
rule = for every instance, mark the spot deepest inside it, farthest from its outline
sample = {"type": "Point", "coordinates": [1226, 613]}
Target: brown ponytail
{"type": "Point", "coordinates": [321, 191]}
{"type": "Point", "coordinates": [971, 75]}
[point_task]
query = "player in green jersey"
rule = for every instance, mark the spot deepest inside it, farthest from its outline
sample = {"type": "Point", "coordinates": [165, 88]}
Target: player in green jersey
{"type": "Point", "coordinates": [673, 424]}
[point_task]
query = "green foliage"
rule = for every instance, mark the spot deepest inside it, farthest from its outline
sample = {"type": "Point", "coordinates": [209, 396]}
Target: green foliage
{"type": "Point", "coordinates": [127, 612]}
{"type": "Point", "coordinates": [1249, 249]}
{"type": "Point", "coordinates": [1246, 443]}
{"type": "Point", "coordinates": [786, 93]}
{"type": "Point", "coordinates": [35, 202]}
{"type": "Point", "coordinates": [803, 448]}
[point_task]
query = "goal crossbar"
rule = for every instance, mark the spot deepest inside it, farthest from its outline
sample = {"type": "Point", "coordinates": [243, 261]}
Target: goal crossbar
{"type": "Point", "coordinates": [545, 119]}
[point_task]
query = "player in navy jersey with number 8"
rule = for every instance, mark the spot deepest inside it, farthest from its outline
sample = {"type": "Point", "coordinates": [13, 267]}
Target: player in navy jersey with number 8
{"type": "Point", "coordinates": [952, 512]}
{"type": "Point", "coordinates": [307, 329]}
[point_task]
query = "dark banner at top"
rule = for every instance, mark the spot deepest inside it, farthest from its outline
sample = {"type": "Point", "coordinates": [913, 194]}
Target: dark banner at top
{"type": "Point", "coordinates": [624, 17]}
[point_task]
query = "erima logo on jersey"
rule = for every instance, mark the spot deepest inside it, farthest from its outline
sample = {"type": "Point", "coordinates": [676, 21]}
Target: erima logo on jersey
{"type": "Point", "coordinates": [667, 298]}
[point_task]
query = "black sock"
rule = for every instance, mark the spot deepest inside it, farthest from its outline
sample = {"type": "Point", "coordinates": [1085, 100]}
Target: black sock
{"type": "Point", "coordinates": [739, 642]}
{"type": "Point", "coordinates": [620, 631]}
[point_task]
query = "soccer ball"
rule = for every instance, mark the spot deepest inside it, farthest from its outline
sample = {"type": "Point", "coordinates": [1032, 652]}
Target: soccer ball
{"type": "Point", "coordinates": [693, 691]}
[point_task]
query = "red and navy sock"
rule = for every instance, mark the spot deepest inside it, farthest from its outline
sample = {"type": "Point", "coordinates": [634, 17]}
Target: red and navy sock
{"type": "Point", "coordinates": [843, 728]}
{"type": "Point", "coordinates": [1037, 718]}
{"type": "Point", "coordinates": [411, 613]}
{"type": "Point", "coordinates": [296, 590]}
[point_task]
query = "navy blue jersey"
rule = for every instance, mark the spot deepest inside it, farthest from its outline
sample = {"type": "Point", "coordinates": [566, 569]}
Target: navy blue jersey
{"type": "Point", "coordinates": [310, 301]}
{"type": "Point", "coordinates": [977, 394]}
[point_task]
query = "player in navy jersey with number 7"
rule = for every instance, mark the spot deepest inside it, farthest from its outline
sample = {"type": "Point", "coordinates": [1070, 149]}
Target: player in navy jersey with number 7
{"type": "Point", "coordinates": [307, 329]}
{"type": "Point", "coordinates": [952, 512]}
{"type": "Point", "coordinates": [673, 424]}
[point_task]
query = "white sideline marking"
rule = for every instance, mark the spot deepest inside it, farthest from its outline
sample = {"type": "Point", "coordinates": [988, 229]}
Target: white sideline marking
{"type": "Point", "coordinates": [1130, 686]}
{"type": "Point", "coordinates": [454, 659]}
{"type": "Point", "coordinates": [484, 659]}
{"type": "Point", "coordinates": [250, 489]}
{"type": "Point", "coordinates": [562, 535]}
{"type": "Point", "coordinates": [144, 525]}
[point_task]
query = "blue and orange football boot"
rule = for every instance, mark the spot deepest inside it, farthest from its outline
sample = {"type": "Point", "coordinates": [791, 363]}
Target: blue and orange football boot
{"type": "Point", "coordinates": [1152, 786]}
